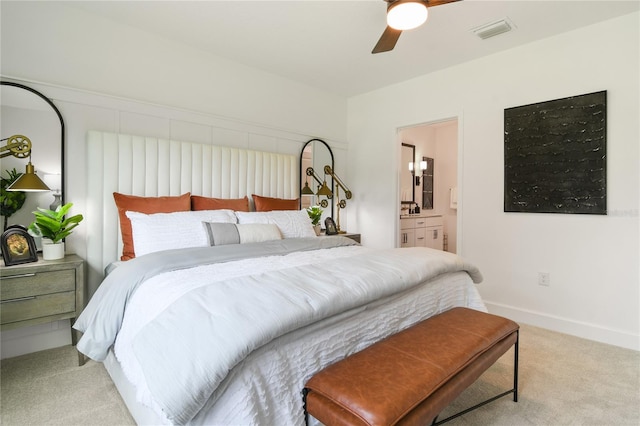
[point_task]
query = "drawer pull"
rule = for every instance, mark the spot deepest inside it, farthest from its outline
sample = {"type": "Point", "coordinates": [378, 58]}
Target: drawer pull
{"type": "Point", "coordinates": [19, 299]}
{"type": "Point", "coordinates": [19, 276]}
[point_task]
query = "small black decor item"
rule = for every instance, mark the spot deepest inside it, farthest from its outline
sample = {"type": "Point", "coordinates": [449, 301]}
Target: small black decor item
{"type": "Point", "coordinates": [18, 246]}
{"type": "Point", "coordinates": [555, 156]}
{"type": "Point", "coordinates": [330, 226]}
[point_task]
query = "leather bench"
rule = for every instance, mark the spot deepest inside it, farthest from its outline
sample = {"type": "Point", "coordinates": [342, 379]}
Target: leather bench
{"type": "Point", "coordinates": [410, 377]}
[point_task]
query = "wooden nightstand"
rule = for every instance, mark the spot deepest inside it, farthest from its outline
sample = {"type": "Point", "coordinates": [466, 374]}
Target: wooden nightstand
{"type": "Point", "coordinates": [354, 237]}
{"type": "Point", "coordinates": [41, 292]}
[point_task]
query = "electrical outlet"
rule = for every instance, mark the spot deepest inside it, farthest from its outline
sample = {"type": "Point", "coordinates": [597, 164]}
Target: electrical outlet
{"type": "Point", "coordinates": [544, 279]}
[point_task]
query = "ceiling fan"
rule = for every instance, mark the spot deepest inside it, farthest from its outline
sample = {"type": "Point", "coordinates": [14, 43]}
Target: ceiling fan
{"type": "Point", "coordinates": [404, 15]}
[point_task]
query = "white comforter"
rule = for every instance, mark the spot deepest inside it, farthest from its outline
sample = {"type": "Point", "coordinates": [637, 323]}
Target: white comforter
{"type": "Point", "coordinates": [189, 336]}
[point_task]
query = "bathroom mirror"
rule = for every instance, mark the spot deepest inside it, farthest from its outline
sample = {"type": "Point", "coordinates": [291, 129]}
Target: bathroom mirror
{"type": "Point", "coordinates": [25, 111]}
{"type": "Point", "coordinates": [316, 153]}
{"type": "Point", "coordinates": [407, 181]}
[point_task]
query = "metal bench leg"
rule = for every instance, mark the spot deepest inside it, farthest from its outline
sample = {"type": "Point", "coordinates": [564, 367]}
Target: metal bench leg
{"type": "Point", "coordinates": [305, 391]}
{"type": "Point", "coordinates": [515, 367]}
{"type": "Point", "coordinates": [514, 390]}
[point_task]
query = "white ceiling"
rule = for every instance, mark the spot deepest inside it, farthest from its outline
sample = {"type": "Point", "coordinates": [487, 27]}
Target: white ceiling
{"type": "Point", "coordinates": [327, 44]}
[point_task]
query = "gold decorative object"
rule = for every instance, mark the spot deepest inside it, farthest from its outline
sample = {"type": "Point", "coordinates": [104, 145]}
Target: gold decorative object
{"type": "Point", "coordinates": [20, 147]}
{"type": "Point", "coordinates": [341, 203]}
{"type": "Point", "coordinates": [323, 189]}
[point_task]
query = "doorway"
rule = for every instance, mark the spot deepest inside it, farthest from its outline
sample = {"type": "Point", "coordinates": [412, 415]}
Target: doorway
{"type": "Point", "coordinates": [437, 187]}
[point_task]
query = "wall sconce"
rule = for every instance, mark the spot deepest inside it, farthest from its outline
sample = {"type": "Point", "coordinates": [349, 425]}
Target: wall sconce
{"type": "Point", "coordinates": [347, 194]}
{"type": "Point", "coordinates": [423, 167]}
{"type": "Point", "coordinates": [20, 147]}
{"type": "Point", "coordinates": [413, 173]}
{"type": "Point", "coordinates": [323, 189]}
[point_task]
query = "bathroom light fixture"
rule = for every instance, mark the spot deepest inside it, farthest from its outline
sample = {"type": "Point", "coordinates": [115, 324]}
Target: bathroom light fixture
{"type": "Point", "coordinates": [406, 14]}
{"type": "Point", "coordinates": [423, 167]}
{"type": "Point", "coordinates": [20, 147]}
{"type": "Point", "coordinates": [413, 173]}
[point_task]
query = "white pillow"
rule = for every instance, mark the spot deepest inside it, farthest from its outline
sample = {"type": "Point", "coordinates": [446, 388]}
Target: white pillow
{"type": "Point", "coordinates": [292, 223]}
{"type": "Point", "coordinates": [258, 232]}
{"type": "Point", "coordinates": [165, 231]}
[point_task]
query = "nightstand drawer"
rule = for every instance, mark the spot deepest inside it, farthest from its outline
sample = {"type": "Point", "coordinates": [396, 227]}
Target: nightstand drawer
{"type": "Point", "coordinates": [38, 283]}
{"type": "Point", "coordinates": [31, 307]}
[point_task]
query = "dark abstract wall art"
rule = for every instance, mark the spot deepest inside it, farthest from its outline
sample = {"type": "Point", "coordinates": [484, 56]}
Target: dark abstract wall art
{"type": "Point", "coordinates": [555, 156]}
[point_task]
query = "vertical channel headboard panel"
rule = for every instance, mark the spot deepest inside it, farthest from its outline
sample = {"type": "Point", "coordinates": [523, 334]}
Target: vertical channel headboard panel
{"type": "Point", "coordinates": [151, 167]}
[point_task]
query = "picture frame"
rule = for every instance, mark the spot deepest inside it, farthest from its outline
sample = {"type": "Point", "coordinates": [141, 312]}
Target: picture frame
{"type": "Point", "coordinates": [555, 156]}
{"type": "Point", "coordinates": [18, 246]}
{"type": "Point", "coordinates": [330, 226]}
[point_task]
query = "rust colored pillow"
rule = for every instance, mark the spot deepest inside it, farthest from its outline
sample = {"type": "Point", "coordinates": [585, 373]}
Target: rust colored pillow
{"type": "Point", "coordinates": [148, 205]}
{"type": "Point", "coordinates": [207, 203]}
{"type": "Point", "coordinates": [267, 204]}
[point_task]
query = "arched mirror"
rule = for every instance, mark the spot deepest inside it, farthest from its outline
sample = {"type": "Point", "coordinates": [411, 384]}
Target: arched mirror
{"type": "Point", "coordinates": [407, 176]}
{"type": "Point", "coordinates": [315, 155]}
{"type": "Point", "coordinates": [27, 112]}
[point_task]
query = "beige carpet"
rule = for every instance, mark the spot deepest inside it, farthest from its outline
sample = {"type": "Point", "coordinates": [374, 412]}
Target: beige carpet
{"type": "Point", "coordinates": [564, 380]}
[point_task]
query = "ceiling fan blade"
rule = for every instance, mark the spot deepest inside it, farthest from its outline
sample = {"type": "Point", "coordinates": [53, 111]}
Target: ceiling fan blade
{"type": "Point", "coordinates": [432, 3]}
{"type": "Point", "coordinates": [387, 41]}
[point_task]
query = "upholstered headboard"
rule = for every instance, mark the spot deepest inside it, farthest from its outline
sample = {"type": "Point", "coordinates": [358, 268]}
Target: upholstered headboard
{"type": "Point", "coordinates": [147, 166]}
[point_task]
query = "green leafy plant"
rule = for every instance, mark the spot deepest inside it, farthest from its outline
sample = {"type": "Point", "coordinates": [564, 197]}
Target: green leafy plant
{"type": "Point", "coordinates": [315, 213]}
{"type": "Point", "coordinates": [53, 225]}
{"type": "Point", "coordinates": [10, 201]}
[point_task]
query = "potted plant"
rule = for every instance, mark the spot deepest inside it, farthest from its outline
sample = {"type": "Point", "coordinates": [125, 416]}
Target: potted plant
{"type": "Point", "coordinates": [53, 227]}
{"type": "Point", "coordinates": [315, 213]}
{"type": "Point", "coordinates": [10, 201]}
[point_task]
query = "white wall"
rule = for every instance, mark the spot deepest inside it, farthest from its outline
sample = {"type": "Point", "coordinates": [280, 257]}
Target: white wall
{"type": "Point", "coordinates": [446, 178]}
{"type": "Point", "coordinates": [50, 42]}
{"type": "Point", "coordinates": [105, 76]}
{"type": "Point", "coordinates": [593, 260]}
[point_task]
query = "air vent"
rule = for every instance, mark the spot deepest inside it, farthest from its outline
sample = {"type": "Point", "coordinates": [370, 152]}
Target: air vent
{"type": "Point", "coordinates": [493, 28]}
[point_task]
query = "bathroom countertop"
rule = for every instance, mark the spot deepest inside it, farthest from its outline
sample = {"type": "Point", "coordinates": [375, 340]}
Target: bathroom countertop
{"type": "Point", "coordinates": [408, 216]}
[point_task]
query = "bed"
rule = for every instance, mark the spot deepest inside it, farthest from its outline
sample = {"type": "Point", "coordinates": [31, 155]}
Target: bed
{"type": "Point", "coordinates": [228, 330]}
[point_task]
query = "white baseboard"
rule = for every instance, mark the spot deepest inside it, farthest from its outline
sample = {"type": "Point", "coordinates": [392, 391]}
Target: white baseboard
{"type": "Point", "coordinates": [567, 326]}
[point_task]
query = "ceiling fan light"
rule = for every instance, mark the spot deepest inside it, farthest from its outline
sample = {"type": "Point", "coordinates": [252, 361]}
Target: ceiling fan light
{"type": "Point", "coordinates": [406, 15]}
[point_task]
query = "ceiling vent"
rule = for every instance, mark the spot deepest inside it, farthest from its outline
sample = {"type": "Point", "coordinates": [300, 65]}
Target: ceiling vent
{"type": "Point", "coordinates": [493, 28]}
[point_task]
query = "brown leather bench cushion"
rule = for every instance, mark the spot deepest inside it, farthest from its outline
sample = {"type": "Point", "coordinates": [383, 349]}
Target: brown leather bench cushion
{"type": "Point", "coordinates": [411, 376]}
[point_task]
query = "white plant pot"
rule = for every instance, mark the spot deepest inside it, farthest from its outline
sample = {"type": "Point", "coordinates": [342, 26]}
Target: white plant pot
{"type": "Point", "coordinates": [51, 251]}
{"type": "Point", "coordinates": [318, 229]}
